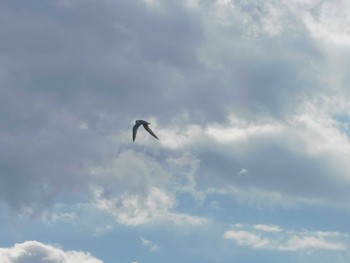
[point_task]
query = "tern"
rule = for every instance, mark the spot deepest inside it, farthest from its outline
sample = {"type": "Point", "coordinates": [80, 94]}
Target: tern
{"type": "Point", "coordinates": [145, 124]}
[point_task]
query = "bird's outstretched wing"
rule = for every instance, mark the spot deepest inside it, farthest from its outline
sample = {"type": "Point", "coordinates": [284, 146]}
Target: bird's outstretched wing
{"type": "Point", "coordinates": [149, 130]}
{"type": "Point", "coordinates": [134, 131]}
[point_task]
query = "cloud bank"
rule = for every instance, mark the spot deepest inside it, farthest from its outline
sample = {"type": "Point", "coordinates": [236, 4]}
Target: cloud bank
{"type": "Point", "coordinates": [248, 88]}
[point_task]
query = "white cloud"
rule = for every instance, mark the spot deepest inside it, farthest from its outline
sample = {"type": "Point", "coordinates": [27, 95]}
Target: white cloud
{"type": "Point", "coordinates": [137, 189]}
{"type": "Point", "coordinates": [243, 172]}
{"type": "Point", "coordinates": [58, 214]}
{"type": "Point", "coordinates": [135, 210]}
{"type": "Point", "coordinates": [179, 135]}
{"type": "Point", "coordinates": [327, 22]}
{"type": "Point", "coordinates": [34, 251]}
{"type": "Point", "coordinates": [131, 170]}
{"type": "Point", "coordinates": [311, 242]}
{"type": "Point", "coordinates": [273, 237]}
{"type": "Point", "coordinates": [150, 245]}
{"type": "Point", "coordinates": [240, 131]}
{"type": "Point", "coordinates": [268, 228]}
{"type": "Point", "coordinates": [245, 238]}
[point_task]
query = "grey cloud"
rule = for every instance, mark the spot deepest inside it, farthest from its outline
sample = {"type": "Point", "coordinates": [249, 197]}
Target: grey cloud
{"type": "Point", "coordinates": [66, 68]}
{"type": "Point", "coordinates": [109, 56]}
{"type": "Point", "coordinates": [39, 162]}
{"type": "Point", "coordinates": [254, 80]}
{"type": "Point", "coordinates": [278, 163]}
{"type": "Point", "coordinates": [105, 56]}
{"type": "Point", "coordinates": [74, 76]}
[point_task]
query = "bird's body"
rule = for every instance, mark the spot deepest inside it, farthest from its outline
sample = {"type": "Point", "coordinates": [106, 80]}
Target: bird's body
{"type": "Point", "coordinates": [145, 124]}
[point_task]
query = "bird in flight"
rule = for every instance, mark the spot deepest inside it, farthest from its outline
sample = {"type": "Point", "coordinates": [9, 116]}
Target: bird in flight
{"type": "Point", "coordinates": [145, 124]}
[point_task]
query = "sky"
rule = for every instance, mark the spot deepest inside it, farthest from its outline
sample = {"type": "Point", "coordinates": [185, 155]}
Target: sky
{"type": "Point", "coordinates": [249, 99]}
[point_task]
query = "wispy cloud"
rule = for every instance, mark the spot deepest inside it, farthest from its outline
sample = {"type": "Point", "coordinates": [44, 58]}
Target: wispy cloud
{"type": "Point", "coordinates": [156, 206]}
{"type": "Point", "coordinates": [268, 228]}
{"type": "Point", "coordinates": [308, 242]}
{"type": "Point", "coordinates": [245, 238]}
{"type": "Point", "coordinates": [273, 237]}
{"type": "Point", "coordinates": [150, 245]}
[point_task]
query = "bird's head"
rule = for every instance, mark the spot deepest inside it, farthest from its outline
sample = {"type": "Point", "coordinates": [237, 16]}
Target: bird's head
{"type": "Point", "coordinates": [141, 122]}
